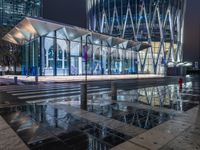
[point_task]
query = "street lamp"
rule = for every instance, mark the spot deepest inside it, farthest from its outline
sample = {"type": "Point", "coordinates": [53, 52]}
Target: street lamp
{"type": "Point", "coordinates": [137, 62]}
{"type": "Point", "coordinates": [84, 85]}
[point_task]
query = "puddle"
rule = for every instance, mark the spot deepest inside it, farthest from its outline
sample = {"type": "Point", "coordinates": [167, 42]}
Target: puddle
{"type": "Point", "coordinates": [42, 127]}
{"type": "Point", "coordinates": [141, 118]}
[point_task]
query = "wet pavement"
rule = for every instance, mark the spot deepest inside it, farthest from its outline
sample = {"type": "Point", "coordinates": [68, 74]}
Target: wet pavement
{"type": "Point", "coordinates": [49, 116]}
{"type": "Point", "coordinates": [45, 127]}
{"type": "Point", "coordinates": [9, 140]}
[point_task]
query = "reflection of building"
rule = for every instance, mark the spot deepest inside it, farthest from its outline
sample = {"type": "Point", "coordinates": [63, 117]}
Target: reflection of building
{"type": "Point", "coordinates": [157, 22]}
{"type": "Point", "coordinates": [51, 48]}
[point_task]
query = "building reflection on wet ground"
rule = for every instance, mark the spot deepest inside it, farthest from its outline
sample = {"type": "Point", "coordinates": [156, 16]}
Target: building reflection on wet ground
{"type": "Point", "coordinates": [46, 122]}
{"type": "Point", "coordinates": [42, 126]}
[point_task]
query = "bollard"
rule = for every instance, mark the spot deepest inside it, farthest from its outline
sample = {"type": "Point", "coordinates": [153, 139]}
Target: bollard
{"type": "Point", "coordinates": [15, 80]}
{"type": "Point", "coordinates": [84, 96]}
{"type": "Point", "coordinates": [36, 79]}
{"type": "Point", "coordinates": [114, 91]}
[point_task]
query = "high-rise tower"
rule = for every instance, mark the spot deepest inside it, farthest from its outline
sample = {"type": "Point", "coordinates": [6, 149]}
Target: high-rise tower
{"type": "Point", "coordinates": [157, 22]}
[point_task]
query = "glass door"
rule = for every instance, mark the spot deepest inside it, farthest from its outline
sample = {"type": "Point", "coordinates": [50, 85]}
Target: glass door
{"type": "Point", "coordinates": [76, 65]}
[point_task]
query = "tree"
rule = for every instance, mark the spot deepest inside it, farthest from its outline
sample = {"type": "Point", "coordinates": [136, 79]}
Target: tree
{"type": "Point", "coordinates": [16, 58]}
{"type": "Point", "coordinates": [10, 54]}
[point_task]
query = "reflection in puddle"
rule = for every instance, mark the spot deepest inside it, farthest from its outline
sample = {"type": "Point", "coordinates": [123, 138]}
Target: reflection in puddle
{"type": "Point", "coordinates": [169, 97]}
{"type": "Point", "coordinates": [137, 117]}
{"type": "Point", "coordinates": [162, 96]}
{"type": "Point", "coordinates": [126, 108]}
{"type": "Point", "coordinates": [43, 127]}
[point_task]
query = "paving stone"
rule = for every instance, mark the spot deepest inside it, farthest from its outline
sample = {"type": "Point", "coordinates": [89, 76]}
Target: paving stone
{"type": "Point", "coordinates": [3, 124]}
{"type": "Point", "coordinates": [128, 146]}
{"type": "Point", "coordinates": [188, 140]}
{"type": "Point", "coordinates": [93, 117]}
{"type": "Point", "coordinates": [39, 135]}
{"type": "Point", "coordinates": [192, 116]}
{"type": "Point", "coordinates": [152, 140]}
{"type": "Point", "coordinates": [112, 124]}
{"type": "Point", "coordinates": [172, 127]}
{"type": "Point", "coordinates": [10, 141]}
{"type": "Point", "coordinates": [160, 135]}
{"type": "Point", "coordinates": [130, 130]}
{"type": "Point", "coordinates": [146, 107]}
{"type": "Point", "coordinates": [69, 109]}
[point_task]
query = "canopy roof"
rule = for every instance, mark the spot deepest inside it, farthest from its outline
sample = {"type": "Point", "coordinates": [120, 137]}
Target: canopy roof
{"type": "Point", "coordinates": [30, 28]}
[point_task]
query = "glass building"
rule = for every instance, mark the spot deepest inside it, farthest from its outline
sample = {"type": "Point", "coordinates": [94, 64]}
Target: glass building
{"type": "Point", "coordinates": [12, 11]}
{"type": "Point", "coordinates": [50, 48]}
{"type": "Point", "coordinates": [159, 23]}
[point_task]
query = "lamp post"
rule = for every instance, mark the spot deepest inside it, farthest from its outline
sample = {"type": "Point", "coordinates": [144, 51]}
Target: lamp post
{"type": "Point", "coordinates": [137, 53]}
{"type": "Point", "coordinates": [84, 85]}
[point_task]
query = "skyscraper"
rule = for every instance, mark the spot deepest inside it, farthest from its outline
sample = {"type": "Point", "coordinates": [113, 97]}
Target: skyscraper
{"type": "Point", "coordinates": [157, 22]}
{"type": "Point", "coordinates": [12, 11]}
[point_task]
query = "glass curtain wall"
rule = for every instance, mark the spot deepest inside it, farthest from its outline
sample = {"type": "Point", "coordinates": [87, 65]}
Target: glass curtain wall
{"type": "Point", "coordinates": [12, 11]}
{"type": "Point", "coordinates": [117, 56]}
{"type": "Point", "coordinates": [30, 58]}
{"type": "Point", "coordinates": [49, 55]}
{"type": "Point", "coordinates": [87, 55]}
{"type": "Point", "coordinates": [97, 60]}
{"type": "Point", "coordinates": [159, 23]}
{"type": "Point", "coordinates": [149, 57]}
{"type": "Point", "coordinates": [106, 60]}
{"type": "Point", "coordinates": [128, 61]}
{"type": "Point", "coordinates": [62, 57]}
{"type": "Point", "coordinates": [56, 57]}
{"type": "Point", "coordinates": [76, 58]}
{"type": "Point", "coordinates": [53, 54]}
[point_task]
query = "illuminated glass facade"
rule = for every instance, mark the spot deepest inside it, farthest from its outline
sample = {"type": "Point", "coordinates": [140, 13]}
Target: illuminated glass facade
{"type": "Point", "coordinates": [12, 11]}
{"type": "Point", "coordinates": [53, 55]}
{"type": "Point", "coordinates": [157, 22]}
{"type": "Point", "coordinates": [50, 48]}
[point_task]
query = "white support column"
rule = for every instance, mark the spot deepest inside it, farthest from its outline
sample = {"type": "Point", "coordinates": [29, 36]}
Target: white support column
{"type": "Point", "coordinates": [47, 58]}
{"type": "Point", "coordinates": [63, 59]}
{"type": "Point", "coordinates": [33, 54]}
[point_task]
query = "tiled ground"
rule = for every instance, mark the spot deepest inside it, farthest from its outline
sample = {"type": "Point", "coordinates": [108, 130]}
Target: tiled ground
{"type": "Point", "coordinates": [9, 140]}
{"type": "Point", "coordinates": [48, 116]}
{"type": "Point", "coordinates": [174, 134]}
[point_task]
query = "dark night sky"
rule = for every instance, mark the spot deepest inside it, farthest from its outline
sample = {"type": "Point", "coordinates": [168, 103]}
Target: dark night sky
{"type": "Point", "coordinates": [66, 11]}
{"type": "Point", "coordinates": [73, 12]}
{"type": "Point", "coordinates": [192, 31]}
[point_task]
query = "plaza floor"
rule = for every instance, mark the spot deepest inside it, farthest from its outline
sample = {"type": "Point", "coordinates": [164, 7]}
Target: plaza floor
{"type": "Point", "coordinates": [147, 114]}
